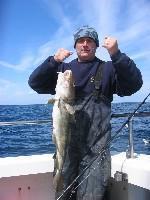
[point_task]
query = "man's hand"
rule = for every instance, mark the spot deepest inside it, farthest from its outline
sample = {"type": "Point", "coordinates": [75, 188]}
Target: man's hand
{"type": "Point", "coordinates": [62, 54]}
{"type": "Point", "coordinates": [111, 45]}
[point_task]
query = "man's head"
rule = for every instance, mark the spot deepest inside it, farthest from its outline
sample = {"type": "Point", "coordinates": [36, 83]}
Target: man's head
{"type": "Point", "coordinates": [86, 31]}
{"type": "Point", "coordinates": [86, 43]}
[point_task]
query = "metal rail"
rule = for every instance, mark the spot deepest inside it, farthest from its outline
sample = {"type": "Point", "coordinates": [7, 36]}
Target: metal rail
{"type": "Point", "coordinates": [28, 122]}
{"type": "Point", "coordinates": [138, 114]}
{"type": "Point", "coordinates": [45, 121]}
{"type": "Point", "coordinates": [130, 150]}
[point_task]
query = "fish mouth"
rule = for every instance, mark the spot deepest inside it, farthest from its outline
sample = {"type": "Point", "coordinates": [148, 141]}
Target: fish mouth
{"type": "Point", "coordinates": [68, 75]}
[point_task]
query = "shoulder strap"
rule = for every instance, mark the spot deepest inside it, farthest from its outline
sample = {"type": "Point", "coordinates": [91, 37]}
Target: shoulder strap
{"type": "Point", "coordinates": [98, 84]}
{"type": "Point", "coordinates": [98, 76]}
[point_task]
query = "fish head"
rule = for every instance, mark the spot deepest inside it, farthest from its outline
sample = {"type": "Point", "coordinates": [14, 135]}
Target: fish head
{"type": "Point", "coordinates": [65, 85]}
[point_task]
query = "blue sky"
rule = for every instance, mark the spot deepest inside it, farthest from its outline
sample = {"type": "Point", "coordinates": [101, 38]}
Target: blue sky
{"type": "Point", "coordinates": [31, 30]}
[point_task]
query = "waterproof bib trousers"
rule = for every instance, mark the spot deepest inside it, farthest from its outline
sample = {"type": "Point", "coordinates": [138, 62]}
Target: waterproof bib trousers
{"type": "Point", "coordinates": [89, 134]}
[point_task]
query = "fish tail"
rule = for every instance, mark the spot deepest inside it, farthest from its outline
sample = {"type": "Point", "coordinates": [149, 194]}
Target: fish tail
{"type": "Point", "coordinates": [58, 181]}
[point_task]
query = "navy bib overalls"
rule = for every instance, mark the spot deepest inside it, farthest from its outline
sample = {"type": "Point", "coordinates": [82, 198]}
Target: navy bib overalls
{"type": "Point", "coordinates": [89, 134]}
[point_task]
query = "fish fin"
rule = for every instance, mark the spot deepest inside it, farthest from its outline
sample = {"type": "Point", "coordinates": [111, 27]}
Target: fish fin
{"type": "Point", "coordinates": [54, 138]}
{"type": "Point", "coordinates": [59, 104]}
{"type": "Point", "coordinates": [70, 109]}
{"type": "Point", "coordinates": [51, 101]}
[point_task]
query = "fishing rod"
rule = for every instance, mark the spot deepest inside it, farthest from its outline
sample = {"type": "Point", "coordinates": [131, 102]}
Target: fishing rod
{"type": "Point", "coordinates": [71, 187]}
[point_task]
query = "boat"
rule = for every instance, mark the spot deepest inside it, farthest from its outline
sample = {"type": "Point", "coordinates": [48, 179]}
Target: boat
{"type": "Point", "coordinates": [31, 177]}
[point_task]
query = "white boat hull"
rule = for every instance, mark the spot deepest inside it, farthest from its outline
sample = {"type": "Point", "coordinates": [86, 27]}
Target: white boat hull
{"type": "Point", "coordinates": [27, 187]}
{"type": "Point", "coordinates": [30, 178]}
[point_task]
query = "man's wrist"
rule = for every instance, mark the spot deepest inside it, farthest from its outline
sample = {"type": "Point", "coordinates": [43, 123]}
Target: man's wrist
{"type": "Point", "coordinates": [56, 60]}
{"type": "Point", "coordinates": [116, 56]}
{"type": "Point", "coordinates": [52, 61]}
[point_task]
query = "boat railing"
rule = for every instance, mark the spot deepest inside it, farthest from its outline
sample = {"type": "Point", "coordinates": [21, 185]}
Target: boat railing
{"type": "Point", "coordinates": [24, 122]}
{"type": "Point", "coordinates": [130, 151]}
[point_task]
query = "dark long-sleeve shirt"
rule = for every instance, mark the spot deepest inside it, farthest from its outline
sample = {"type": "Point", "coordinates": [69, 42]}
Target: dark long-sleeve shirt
{"type": "Point", "coordinates": [120, 76]}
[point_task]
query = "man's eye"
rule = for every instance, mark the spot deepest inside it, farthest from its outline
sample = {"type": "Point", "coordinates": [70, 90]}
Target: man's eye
{"type": "Point", "coordinates": [85, 40]}
{"type": "Point", "coordinates": [80, 41]}
{"type": "Point", "coordinates": [89, 40]}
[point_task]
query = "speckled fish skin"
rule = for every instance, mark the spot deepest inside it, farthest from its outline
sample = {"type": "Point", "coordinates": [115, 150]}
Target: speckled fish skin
{"type": "Point", "coordinates": [62, 115]}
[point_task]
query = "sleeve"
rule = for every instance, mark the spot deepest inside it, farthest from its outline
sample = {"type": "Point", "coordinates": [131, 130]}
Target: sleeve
{"type": "Point", "coordinates": [43, 79]}
{"type": "Point", "coordinates": [127, 77]}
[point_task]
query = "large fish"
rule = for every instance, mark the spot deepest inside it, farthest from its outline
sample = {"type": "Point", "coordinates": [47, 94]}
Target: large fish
{"type": "Point", "coordinates": [62, 115]}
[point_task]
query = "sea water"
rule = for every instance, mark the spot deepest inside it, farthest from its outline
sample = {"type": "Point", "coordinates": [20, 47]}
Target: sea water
{"type": "Point", "coordinates": [34, 139]}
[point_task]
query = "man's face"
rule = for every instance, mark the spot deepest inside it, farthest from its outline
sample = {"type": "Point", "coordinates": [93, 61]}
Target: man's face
{"type": "Point", "coordinates": [85, 48]}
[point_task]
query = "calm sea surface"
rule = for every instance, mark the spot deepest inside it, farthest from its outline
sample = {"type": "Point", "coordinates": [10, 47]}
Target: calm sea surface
{"type": "Point", "coordinates": [36, 139]}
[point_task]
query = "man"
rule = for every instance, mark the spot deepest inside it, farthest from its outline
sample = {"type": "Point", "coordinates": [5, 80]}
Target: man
{"type": "Point", "coordinates": [95, 83]}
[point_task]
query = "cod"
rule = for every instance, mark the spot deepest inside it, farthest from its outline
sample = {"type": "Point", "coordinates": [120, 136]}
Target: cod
{"type": "Point", "coordinates": [63, 116]}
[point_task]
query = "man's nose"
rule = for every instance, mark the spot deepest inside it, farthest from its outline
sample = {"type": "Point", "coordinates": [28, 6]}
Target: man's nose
{"type": "Point", "coordinates": [85, 42]}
